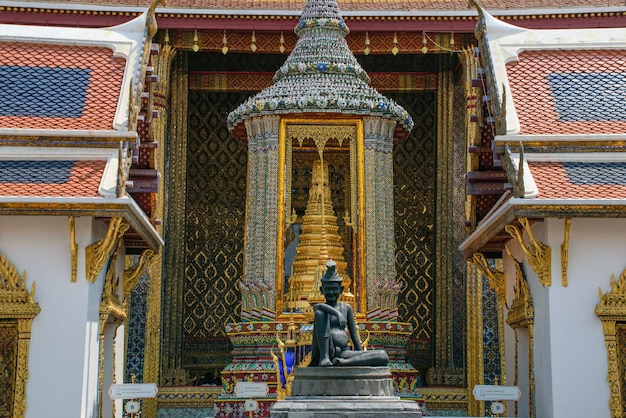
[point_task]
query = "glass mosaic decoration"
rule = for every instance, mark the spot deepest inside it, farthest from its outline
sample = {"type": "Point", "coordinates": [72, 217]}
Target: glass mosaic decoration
{"type": "Point", "coordinates": [321, 75]}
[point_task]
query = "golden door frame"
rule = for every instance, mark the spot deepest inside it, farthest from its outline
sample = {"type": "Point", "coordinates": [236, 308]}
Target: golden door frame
{"type": "Point", "coordinates": [357, 194]}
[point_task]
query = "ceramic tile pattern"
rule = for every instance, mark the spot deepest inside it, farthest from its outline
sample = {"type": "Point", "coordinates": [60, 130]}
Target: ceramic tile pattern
{"type": "Point", "coordinates": [32, 178]}
{"type": "Point", "coordinates": [580, 180]}
{"type": "Point", "coordinates": [570, 92]}
{"type": "Point", "coordinates": [58, 87]}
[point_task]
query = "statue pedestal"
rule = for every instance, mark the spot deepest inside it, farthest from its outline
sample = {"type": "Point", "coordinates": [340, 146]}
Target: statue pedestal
{"type": "Point", "coordinates": [343, 392]}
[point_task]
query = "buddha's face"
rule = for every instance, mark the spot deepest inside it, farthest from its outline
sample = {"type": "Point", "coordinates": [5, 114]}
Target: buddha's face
{"type": "Point", "coordinates": [331, 291]}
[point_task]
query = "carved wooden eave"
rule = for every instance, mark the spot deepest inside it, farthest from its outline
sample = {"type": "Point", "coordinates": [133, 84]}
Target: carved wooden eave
{"type": "Point", "coordinates": [141, 232]}
{"type": "Point", "coordinates": [490, 234]}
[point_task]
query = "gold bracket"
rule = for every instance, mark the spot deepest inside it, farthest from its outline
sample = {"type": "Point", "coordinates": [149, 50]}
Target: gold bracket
{"type": "Point", "coordinates": [73, 248]}
{"type": "Point", "coordinates": [495, 277]}
{"type": "Point", "coordinates": [97, 253]}
{"type": "Point", "coordinates": [565, 251]}
{"type": "Point", "coordinates": [132, 275]}
{"type": "Point", "coordinates": [537, 253]}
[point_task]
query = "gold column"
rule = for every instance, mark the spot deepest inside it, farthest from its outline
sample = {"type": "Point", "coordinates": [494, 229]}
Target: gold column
{"type": "Point", "coordinates": [475, 360]}
{"type": "Point", "coordinates": [444, 235]}
{"type": "Point", "coordinates": [174, 251]}
{"type": "Point", "coordinates": [158, 128]}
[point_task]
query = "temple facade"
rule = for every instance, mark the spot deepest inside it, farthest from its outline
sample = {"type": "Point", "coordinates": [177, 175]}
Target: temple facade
{"type": "Point", "coordinates": [173, 179]}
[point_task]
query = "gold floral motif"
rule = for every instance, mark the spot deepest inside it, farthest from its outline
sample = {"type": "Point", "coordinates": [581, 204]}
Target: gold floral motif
{"type": "Point", "coordinates": [537, 253]}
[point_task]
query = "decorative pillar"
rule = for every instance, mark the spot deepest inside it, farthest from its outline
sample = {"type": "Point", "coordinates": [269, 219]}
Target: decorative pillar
{"type": "Point", "coordinates": [162, 64]}
{"type": "Point", "coordinates": [444, 233]}
{"type": "Point", "coordinates": [262, 208]}
{"type": "Point", "coordinates": [379, 209]}
{"type": "Point", "coordinates": [475, 361]}
{"type": "Point", "coordinates": [174, 175]}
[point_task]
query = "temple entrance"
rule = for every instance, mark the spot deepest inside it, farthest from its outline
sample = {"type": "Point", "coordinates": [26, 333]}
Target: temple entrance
{"type": "Point", "coordinates": [214, 175]}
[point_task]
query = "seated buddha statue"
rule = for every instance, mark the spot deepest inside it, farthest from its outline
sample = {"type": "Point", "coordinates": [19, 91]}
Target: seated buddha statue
{"type": "Point", "coordinates": [330, 340]}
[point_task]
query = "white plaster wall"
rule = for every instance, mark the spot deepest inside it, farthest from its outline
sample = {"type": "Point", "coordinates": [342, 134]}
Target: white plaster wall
{"type": "Point", "coordinates": [570, 356]}
{"type": "Point", "coordinates": [597, 250]}
{"type": "Point", "coordinates": [63, 355]}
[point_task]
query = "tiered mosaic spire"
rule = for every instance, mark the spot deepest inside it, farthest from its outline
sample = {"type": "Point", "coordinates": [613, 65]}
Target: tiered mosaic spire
{"type": "Point", "coordinates": [321, 75]}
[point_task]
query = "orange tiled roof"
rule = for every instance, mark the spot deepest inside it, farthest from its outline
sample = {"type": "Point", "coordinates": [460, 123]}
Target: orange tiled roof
{"type": "Point", "coordinates": [58, 86]}
{"type": "Point", "coordinates": [569, 92]}
{"type": "Point", "coordinates": [360, 5]}
{"type": "Point", "coordinates": [36, 178]}
{"type": "Point", "coordinates": [580, 180]}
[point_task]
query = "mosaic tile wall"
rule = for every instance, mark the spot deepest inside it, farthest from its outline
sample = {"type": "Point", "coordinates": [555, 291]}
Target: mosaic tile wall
{"type": "Point", "coordinates": [491, 341]}
{"type": "Point", "coordinates": [136, 337]}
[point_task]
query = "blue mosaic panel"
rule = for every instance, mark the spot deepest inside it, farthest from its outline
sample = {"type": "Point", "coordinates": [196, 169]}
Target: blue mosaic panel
{"type": "Point", "coordinates": [43, 91]}
{"type": "Point", "coordinates": [491, 333]}
{"type": "Point", "coordinates": [136, 340]}
{"type": "Point", "coordinates": [41, 172]}
{"type": "Point", "coordinates": [602, 173]}
{"type": "Point", "coordinates": [589, 97]}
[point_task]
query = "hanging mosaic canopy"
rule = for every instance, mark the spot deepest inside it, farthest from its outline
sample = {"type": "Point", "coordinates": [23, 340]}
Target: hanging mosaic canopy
{"type": "Point", "coordinates": [321, 75]}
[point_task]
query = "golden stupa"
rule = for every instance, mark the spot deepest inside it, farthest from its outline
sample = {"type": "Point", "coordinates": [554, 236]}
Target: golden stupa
{"type": "Point", "coordinates": [320, 241]}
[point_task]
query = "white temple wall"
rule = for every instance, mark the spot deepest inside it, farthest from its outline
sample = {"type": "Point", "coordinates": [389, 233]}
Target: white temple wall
{"type": "Point", "coordinates": [63, 354]}
{"type": "Point", "coordinates": [570, 358]}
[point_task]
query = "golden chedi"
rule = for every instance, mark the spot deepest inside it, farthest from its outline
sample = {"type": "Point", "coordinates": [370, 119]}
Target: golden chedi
{"type": "Point", "coordinates": [319, 242]}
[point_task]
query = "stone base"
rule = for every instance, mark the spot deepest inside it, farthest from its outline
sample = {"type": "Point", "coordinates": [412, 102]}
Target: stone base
{"type": "Point", "coordinates": [342, 381]}
{"type": "Point", "coordinates": [343, 392]}
{"type": "Point", "coordinates": [345, 407]}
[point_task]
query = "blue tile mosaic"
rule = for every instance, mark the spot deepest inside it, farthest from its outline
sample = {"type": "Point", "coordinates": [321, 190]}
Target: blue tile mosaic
{"type": "Point", "coordinates": [589, 97]}
{"type": "Point", "coordinates": [600, 173]}
{"type": "Point", "coordinates": [43, 91]}
{"type": "Point", "coordinates": [42, 172]}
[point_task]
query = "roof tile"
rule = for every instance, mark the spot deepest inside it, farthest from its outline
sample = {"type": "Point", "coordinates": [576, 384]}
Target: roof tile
{"type": "Point", "coordinates": [580, 180]}
{"type": "Point", "coordinates": [58, 87]}
{"type": "Point", "coordinates": [35, 178]}
{"type": "Point", "coordinates": [569, 92]}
